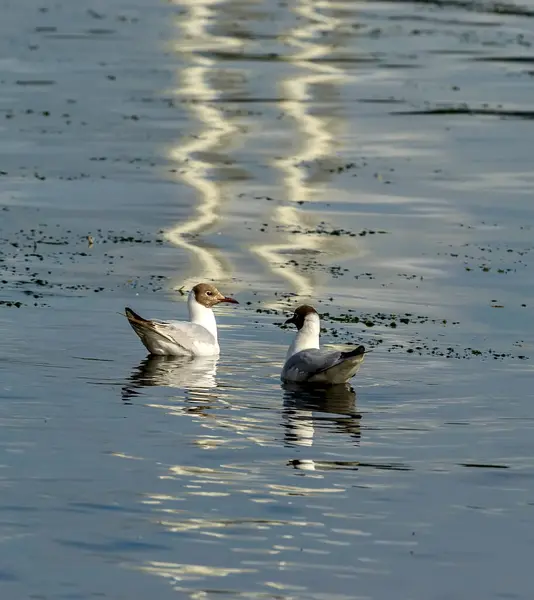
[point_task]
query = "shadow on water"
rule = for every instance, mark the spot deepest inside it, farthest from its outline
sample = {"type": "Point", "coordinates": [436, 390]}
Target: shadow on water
{"type": "Point", "coordinates": [192, 374]}
{"type": "Point", "coordinates": [305, 408]}
{"type": "Point", "coordinates": [330, 408]}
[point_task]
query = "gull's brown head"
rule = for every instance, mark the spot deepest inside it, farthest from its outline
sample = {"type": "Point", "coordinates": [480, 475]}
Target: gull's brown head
{"type": "Point", "coordinates": [300, 314]}
{"type": "Point", "coordinates": [208, 295]}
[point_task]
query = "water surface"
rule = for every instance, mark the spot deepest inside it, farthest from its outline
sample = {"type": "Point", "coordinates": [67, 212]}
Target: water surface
{"type": "Point", "coordinates": [373, 158]}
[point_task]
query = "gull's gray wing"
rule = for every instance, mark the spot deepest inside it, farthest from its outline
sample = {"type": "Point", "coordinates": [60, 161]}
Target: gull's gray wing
{"type": "Point", "coordinates": [323, 366]}
{"type": "Point", "coordinates": [303, 365]}
{"type": "Point", "coordinates": [193, 338]}
{"type": "Point", "coordinates": [172, 338]}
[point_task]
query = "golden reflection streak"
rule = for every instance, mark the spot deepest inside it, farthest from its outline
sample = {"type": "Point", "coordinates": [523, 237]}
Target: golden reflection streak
{"type": "Point", "coordinates": [316, 142]}
{"type": "Point", "coordinates": [181, 572]}
{"type": "Point", "coordinates": [194, 84]}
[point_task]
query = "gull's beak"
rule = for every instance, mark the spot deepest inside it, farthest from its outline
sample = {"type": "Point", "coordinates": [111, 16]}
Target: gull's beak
{"type": "Point", "coordinates": [229, 300]}
{"type": "Point", "coordinates": [290, 321]}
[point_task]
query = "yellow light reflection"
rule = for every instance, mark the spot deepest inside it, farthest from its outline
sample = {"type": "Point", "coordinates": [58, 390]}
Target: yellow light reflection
{"type": "Point", "coordinates": [316, 141]}
{"type": "Point", "coordinates": [181, 572]}
{"type": "Point", "coordinates": [192, 155]}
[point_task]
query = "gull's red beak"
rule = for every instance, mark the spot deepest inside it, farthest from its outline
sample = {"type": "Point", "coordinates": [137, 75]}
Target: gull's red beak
{"type": "Point", "coordinates": [229, 300]}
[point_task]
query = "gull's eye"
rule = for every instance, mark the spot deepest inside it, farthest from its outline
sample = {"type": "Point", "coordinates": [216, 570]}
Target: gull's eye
{"type": "Point", "coordinates": [208, 293]}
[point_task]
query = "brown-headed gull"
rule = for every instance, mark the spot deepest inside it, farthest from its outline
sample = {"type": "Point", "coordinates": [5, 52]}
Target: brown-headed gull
{"type": "Point", "coordinates": [198, 337]}
{"type": "Point", "coordinates": [307, 363]}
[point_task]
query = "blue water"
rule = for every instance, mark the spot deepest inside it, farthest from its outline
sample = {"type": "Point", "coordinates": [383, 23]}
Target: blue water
{"type": "Point", "coordinates": [373, 159]}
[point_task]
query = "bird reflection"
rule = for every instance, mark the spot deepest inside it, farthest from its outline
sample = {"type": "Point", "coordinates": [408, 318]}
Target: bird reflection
{"type": "Point", "coordinates": [306, 407]}
{"type": "Point", "coordinates": [192, 374]}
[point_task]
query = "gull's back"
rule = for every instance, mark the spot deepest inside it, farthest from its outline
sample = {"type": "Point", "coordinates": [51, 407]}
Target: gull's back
{"type": "Point", "coordinates": [323, 366]}
{"type": "Point", "coordinates": [191, 338]}
{"type": "Point", "coordinates": [173, 338]}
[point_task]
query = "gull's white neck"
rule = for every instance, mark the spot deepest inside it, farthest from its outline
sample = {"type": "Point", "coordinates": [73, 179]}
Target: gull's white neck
{"type": "Point", "coordinates": [307, 337]}
{"type": "Point", "coordinates": [201, 315]}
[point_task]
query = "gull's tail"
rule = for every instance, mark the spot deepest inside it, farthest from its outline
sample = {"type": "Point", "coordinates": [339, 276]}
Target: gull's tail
{"type": "Point", "coordinates": [347, 366]}
{"type": "Point", "coordinates": [357, 352]}
{"type": "Point", "coordinates": [143, 327]}
{"type": "Point", "coordinates": [133, 317]}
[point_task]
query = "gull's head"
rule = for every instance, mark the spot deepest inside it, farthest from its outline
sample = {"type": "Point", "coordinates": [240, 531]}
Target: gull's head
{"type": "Point", "coordinates": [302, 315]}
{"type": "Point", "coordinates": [208, 295]}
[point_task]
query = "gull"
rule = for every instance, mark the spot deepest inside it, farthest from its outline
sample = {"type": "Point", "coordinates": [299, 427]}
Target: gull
{"type": "Point", "coordinates": [307, 363]}
{"type": "Point", "coordinates": [198, 337]}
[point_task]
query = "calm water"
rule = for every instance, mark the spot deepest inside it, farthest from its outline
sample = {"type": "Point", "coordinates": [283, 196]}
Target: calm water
{"type": "Point", "coordinates": [374, 158]}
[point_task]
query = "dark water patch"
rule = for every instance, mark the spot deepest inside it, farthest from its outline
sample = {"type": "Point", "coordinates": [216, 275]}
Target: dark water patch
{"type": "Point", "coordinates": [391, 100]}
{"type": "Point", "coordinates": [465, 110]}
{"type": "Point", "coordinates": [324, 465]}
{"type": "Point", "coordinates": [18, 508]}
{"type": "Point", "coordinates": [232, 56]}
{"type": "Point", "coordinates": [35, 82]}
{"type": "Point", "coordinates": [275, 57]}
{"type": "Point", "coordinates": [497, 8]}
{"type": "Point", "coordinates": [249, 100]}
{"type": "Point", "coordinates": [483, 466]}
{"type": "Point", "coordinates": [456, 53]}
{"type": "Point", "coordinates": [113, 546]}
{"type": "Point", "coordinates": [95, 15]}
{"type": "Point", "coordinates": [436, 20]}
{"type": "Point", "coordinates": [95, 506]}
{"type": "Point", "coordinates": [398, 65]}
{"type": "Point", "coordinates": [91, 34]}
{"type": "Point", "coordinates": [101, 31]}
{"type": "Point", "coordinates": [506, 59]}
{"type": "Point", "coordinates": [92, 358]}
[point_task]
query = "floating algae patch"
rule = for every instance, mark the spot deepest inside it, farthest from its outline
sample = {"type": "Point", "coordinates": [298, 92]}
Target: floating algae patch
{"type": "Point", "coordinates": [35, 262]}
{"type": "Point", "coordinates": [386, 319]}
{"type": "Point", "coordinates": [488, 257]}
{"type": "Point", "coordinates": [324, 229]}
{"type": "Point", "coordinates": [399, 333]}
{"type": "Point", "coordinates": [8, 303]}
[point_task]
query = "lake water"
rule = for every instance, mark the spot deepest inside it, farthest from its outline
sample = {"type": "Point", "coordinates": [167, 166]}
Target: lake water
{"type": "Point", "coordinates": [372, 158]}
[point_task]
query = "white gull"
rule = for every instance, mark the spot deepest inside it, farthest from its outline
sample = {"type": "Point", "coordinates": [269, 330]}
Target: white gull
{"type": "Point", "coordinates": [198, 337]}
{"type": "Point", "coordinates": [307, 363]}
